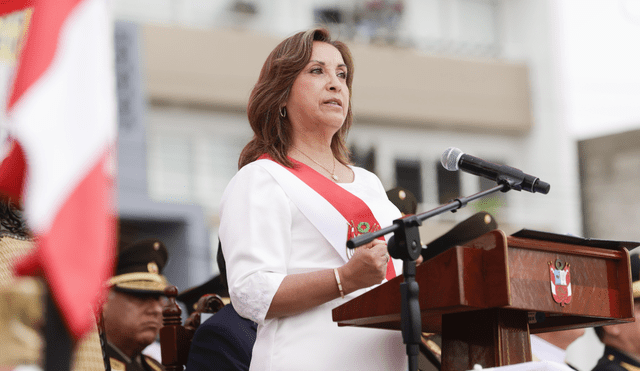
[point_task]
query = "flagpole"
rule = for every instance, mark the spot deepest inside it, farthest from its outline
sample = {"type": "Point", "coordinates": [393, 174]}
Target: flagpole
{"type": "Point", "coordinates": [58, 343]}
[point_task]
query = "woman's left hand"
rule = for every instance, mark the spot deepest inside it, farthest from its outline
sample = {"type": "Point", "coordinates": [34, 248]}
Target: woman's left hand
{"type": "Point", "coordinates": [419, 260]}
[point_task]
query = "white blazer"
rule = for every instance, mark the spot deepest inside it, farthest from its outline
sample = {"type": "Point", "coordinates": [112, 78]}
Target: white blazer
{"type": "Point", "coordinates": [272, 225]}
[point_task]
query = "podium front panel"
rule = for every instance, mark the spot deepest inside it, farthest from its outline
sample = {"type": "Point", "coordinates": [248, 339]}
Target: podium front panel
{"type": "Point", "coordinates": [496, 271]}
{"type": "Point", "coordinates": [574, 286]}
{"type": "Point", "coordinates": [487, 296]}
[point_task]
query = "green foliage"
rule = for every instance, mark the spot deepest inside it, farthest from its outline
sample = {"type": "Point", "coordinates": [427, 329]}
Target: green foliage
{"type": "Point", "coordinates": [491, 204]}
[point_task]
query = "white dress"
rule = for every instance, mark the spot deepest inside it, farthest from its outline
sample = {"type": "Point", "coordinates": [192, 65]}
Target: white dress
{"type": "Point", "coordinates": [265, 237]}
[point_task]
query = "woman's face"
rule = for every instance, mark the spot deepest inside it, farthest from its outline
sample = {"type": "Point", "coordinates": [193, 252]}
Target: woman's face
{"type": "Point", "coordinates": [319, 97]}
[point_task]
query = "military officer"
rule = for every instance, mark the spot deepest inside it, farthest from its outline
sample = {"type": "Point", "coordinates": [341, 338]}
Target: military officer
{"type": "Point", "coordinates": [404, 200]}
{"type": "Point", "coordinates": [622, 341]}
{"type": "Point", "coordinates": [132, 313]}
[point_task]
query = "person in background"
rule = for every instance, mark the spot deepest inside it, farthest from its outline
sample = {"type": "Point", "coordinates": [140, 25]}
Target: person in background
{"type": "Point", "coordinates": [21, 298]}
{"type": "Point", "coordinates": [22, 313]}
{"type": "Point", "coordinates": [622, 341]}
{"type": "Point", "coordinates": [287, 214]}
{"type": "Point", "coordinates": [404, 200]}
{"type": "Point", "coordinates": [132, 313]}
{"type": "Point", "coordinates": [223, 342]}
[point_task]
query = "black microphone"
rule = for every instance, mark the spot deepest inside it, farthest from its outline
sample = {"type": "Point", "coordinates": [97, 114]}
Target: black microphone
{"type": "Point", "coordinates": [454, 159]}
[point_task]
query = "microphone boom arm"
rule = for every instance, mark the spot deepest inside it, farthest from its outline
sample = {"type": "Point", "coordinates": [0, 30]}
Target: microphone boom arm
{"type": "Point", "coordinates": [416, 220]}
{"type": "Point", "coordinates": [405, 244]}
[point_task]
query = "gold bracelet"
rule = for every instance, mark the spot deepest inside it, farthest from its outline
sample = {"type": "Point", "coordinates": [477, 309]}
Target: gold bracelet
{"type": "Point", "coordinates": [335, 270]}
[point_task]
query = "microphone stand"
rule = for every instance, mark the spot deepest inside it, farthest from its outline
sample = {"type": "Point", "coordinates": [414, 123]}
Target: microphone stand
{"type": "Point", "coordinates": [405, 244]}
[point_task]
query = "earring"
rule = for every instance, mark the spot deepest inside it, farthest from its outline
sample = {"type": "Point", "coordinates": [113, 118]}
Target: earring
{"type": "Point", "coordinates": [283, 111]}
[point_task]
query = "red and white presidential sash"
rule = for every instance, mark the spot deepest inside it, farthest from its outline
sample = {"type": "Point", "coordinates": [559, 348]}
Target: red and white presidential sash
{"type": "Point", "coordinates": [326, 205]}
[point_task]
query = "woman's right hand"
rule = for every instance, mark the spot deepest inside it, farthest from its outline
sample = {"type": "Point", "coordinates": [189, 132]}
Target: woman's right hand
{"type": "Point", "coordinates": [367, 267]}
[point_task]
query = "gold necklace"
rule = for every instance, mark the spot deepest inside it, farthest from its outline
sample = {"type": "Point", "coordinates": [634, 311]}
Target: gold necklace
{"type": "Point", "coordinates": [333, 174]}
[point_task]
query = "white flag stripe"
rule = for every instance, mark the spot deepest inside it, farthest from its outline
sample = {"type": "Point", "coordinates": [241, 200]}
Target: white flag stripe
{"type": "Point", "coordinates": [74, 120]}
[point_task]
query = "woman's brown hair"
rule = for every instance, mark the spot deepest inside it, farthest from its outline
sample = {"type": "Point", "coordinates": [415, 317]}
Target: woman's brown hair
{"type": "Point", "coordinates": [272, 132]}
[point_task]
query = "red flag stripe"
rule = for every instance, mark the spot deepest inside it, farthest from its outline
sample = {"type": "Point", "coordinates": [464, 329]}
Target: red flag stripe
{"type": "Point", "coordinates": [10, 6]}
{"type": "Point", "coordinates": [59, 246]}
{"type": "Point", "coordinates": [62, 114]}
{"type": "Point", "coordinates": [12, 171]}
{"type": "Point", "coordinates": [41, 45]}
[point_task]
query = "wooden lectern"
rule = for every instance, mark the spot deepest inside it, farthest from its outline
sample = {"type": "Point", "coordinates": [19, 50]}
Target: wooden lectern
{"type": "Point", "coordinates": [487, 296]}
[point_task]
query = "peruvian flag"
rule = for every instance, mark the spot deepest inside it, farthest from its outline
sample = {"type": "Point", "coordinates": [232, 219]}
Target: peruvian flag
{"type": "Point", "coordinates": [61, 112]}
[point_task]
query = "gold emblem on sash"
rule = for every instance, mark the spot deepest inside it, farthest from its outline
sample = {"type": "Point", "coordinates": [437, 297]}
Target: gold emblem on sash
{"type": "Point", "coordinates": [355, 229]}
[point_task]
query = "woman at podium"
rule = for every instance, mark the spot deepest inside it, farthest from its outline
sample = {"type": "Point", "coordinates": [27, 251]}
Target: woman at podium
{"type": "Point", "coordinates": [288, 212]}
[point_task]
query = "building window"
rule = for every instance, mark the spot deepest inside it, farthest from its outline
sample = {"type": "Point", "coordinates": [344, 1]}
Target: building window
{"type": "Point", "coordinates": [409, 176]}
{"type": "Point", "coordinates": [478, 31]}
{"type": "Point", "coordinates": [328, 16]}
{"type": "Point", "coordinates": [217, 163]}
{"type": "Point", "coordinates": [364, 158]}
{"type": "Point", "coordinates": [448, 184]}
{"type": "Point", "coordinates": [190, 169]}
{"type": "Point", "coordinates": [170, 162]}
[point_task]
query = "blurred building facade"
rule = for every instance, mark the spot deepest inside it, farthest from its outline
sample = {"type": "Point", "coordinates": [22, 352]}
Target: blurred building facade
{"type": "Point", "coordinates": [430, 74]}
{"type": "Point", "coordinates": [486, 76]}
{"type": "Point", "coordinates": [609, 173]}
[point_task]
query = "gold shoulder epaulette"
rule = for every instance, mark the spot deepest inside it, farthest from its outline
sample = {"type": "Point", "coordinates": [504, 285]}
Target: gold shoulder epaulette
{"type": "Point", "coordinates": [153, 363]}
{"type": "Point", "coordinates": [629, 367]}
{"type": "Point", "coordinates": [117, 365]}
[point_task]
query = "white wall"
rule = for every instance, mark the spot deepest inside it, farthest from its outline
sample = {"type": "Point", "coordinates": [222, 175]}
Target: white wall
{"type": "Point", "coordinates": [548, 152]}
{"type": "Point", "coordinates": [597, 89]}
{"type": "Point", "coordinates": [599, 62]}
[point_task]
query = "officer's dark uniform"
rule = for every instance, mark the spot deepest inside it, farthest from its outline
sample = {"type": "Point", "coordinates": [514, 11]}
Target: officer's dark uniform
{"type": "Point", "coordinates": [120, 361]}
{"type": "Point", "coordinates": [138, 273]}
{"type": "Point", "coordinates": [613, 359]}
{"type": "Point", "coordinates": [225, 340]}
{"type": "Point", "coordinates": [404, 200]}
